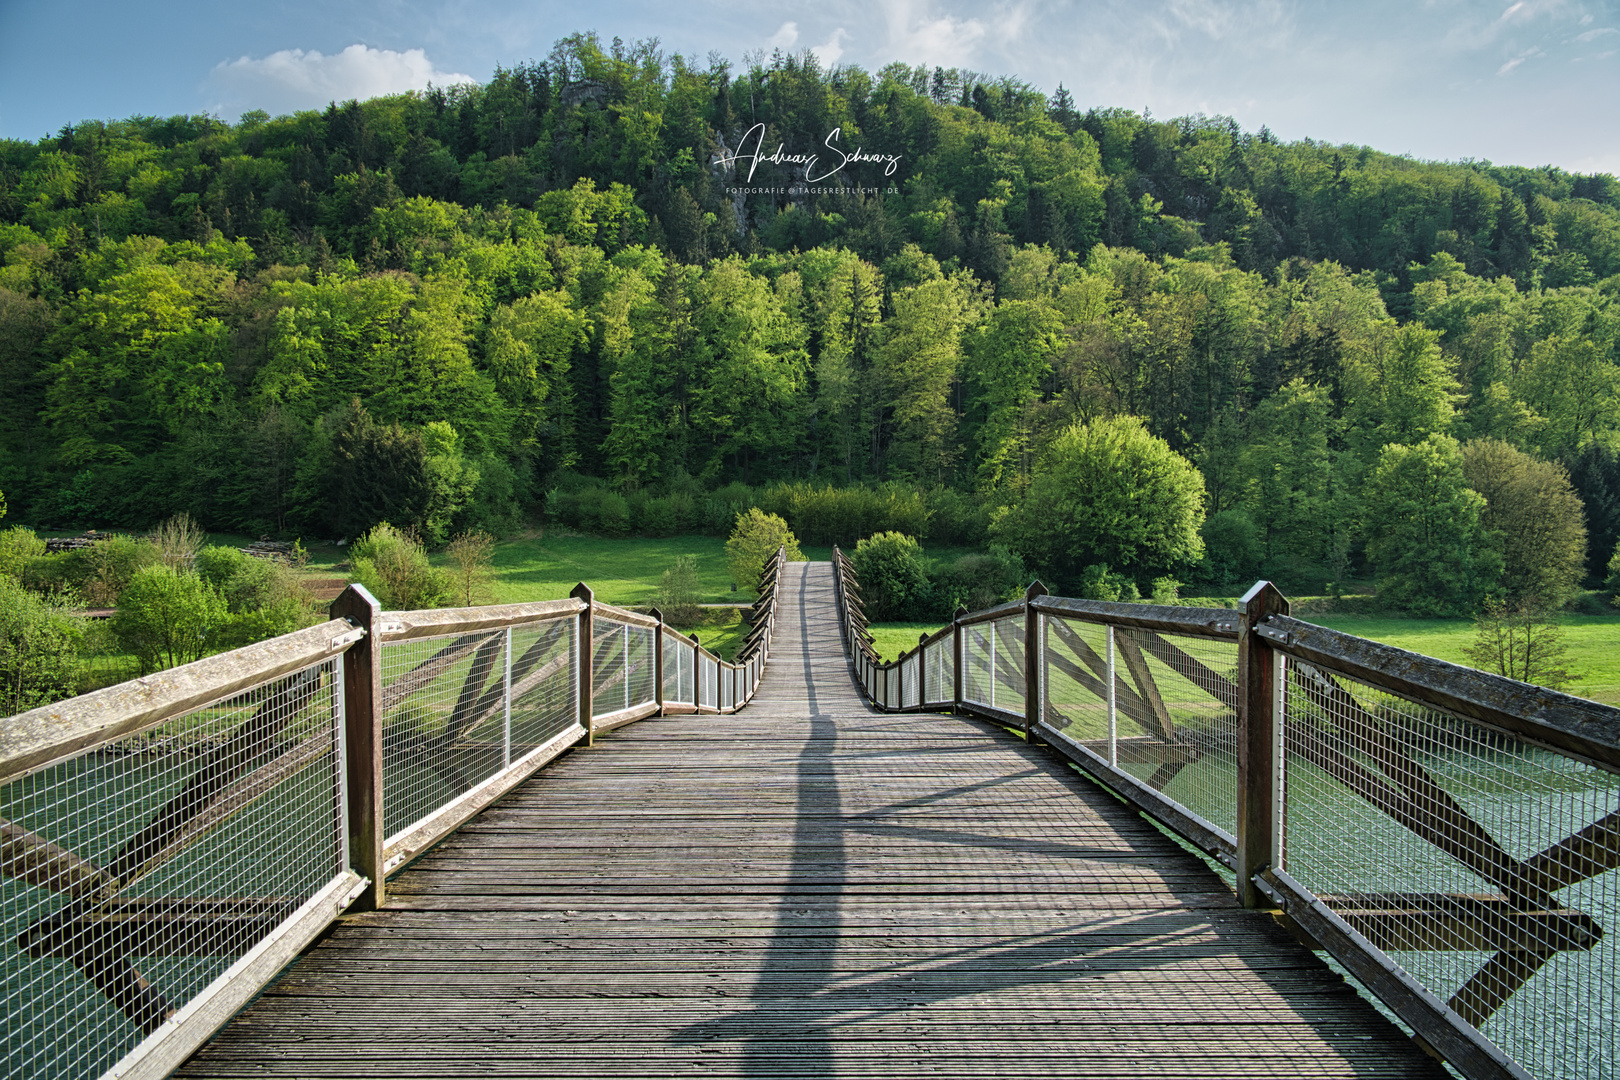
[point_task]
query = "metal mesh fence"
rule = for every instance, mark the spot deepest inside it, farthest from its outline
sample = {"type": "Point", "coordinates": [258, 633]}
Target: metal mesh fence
{"type": "Point", "coordinates": [136, 874]}
{"type": "Point", "coordinates": [1172, 722]}
{"type": "Point", "coordinates": [707, 689]}
{"type": "Point", "coordinates": [1007, 686]}
{"type": "Point", "coordinates": [939, 680]}
{"type": "Point", "coordinates": [726, 687]}
{"type": "Point", "coordinates": [678, 682]}
{"type": "Point", "coordinates": [977, 645]}
{"type": "Point", "coordinates": [444, 721]}
{"type": "Point", "coordinates": [1483, 866]}
{"type": "Point", "coordinates": [545, 692]}
{"type": "Point", "coordinates": [911, 682]}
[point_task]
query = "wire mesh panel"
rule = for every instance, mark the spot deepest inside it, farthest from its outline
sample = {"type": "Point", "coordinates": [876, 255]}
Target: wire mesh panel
{"type": "Point", "coordinates": [444, 721]}
{"type": "Point", "coordinates": [610, 666]}
{"type": "Point", "coordinates": [911, 682]}
{"type": "Point", "coordinates": [640, 673]}
{"type": "Point", "coordinates": [939, 676]}
{"type": "Point", "coordinates": [708, 691]}
{"type": "Point", "coordinates": [1172, 721]}
{"type": "Point", "coordinates": [677, 669]}
{"type": "Point", "coordinates": [977, 643]}
{"type": "Point", "coordinates": [1008, 675]}
{"type": "Point", "coordinates": [1483, 866]}
{"type": "Point", "coordinates": [545, 690]}
{"type": "Point", "coordinates": [138, 873]}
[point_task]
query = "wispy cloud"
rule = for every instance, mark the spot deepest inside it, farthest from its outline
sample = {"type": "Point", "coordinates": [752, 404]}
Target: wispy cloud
{"type": "Point", "coordinates": [293, 79]}
{"type": "Point", "coordinates": [786, 36]}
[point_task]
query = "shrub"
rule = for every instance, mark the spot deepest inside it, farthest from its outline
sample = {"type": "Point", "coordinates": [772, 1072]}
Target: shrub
{"type": "Point", "coordinates": [471, 554]}
{"type": "Point", "coordinates": [1521, 642]}
{"type": "Point", "coordinates": [978, 581]}
{"type": "Point", "coordinates": [1614, 576]}
{"type": "Point", "coordinates": [894, 584]}
{"type": "Point", "coordinates": [1098, 582]}
{"type": "Point", "coordinates": [178, 540]}
{"type": "Point", "coordinates": [18, 545]}
{"type": "Point", "coordinates": [1109, 493]}
{"type": "Point", "coordinates": [39, 650]}
{"type": "Point", "coordinates": [720, 510]}
{"type": "Point", "coordinates": [63, 575]}
{"type": "Point", "coordinates": [393, 566]}
{"type": "Point", "coordinates": [217, 563]}
{"type": "Point", "coordinates": [1232, 548]}
{"type": "Point", "coordinates": [168, 617]}
{"type": "Point", "coordinates": [955, 518]}
{"type": "Point", "coordinates": [755, 539]}
{"type": "Point", "coordinates": [112, 565]}
{"type": "Point", "coordinates": [678, 595]}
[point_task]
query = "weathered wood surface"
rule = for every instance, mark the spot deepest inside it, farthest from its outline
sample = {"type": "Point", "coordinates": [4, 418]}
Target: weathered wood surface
{"type": "Point", "coordinates": [809, 889]}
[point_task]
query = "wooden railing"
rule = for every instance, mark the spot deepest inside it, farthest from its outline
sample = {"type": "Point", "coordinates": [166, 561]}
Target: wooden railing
{"type": "Point", "coordinates": [1451, 837]}
{"type": "Point", "coordinates": [168, 845]}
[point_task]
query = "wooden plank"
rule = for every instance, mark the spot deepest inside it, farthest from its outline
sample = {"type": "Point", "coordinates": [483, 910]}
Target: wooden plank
{"type": "Point", "coordinates": [438, 622]}
{"type": "Point", "coordinates": [32, 740]}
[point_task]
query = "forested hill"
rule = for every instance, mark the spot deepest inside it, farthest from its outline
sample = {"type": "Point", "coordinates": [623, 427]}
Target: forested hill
{"type": "Point", "coordinates": [457, 299]}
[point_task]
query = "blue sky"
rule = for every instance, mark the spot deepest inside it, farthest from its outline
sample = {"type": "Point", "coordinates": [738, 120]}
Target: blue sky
{"type": "Point", "coordinates": [1526, 82]}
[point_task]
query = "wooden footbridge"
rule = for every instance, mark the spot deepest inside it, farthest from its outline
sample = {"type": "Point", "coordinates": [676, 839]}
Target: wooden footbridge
{"type": "Point", "coordinates": [805, 867]}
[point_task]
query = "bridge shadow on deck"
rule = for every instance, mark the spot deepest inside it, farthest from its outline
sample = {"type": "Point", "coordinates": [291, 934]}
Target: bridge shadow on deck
{"type": "Point", "coordinates": [810, 889]}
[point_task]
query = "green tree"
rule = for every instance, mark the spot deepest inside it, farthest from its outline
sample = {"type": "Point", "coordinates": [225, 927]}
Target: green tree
{"type": "Point", "coordinates": [1520, 641]}
{"type": "Point", "coordinates": [1532, 509]}
{"type": "Point", "coordinates": [1107, 493]}
{"type": "Point", "coordinates": [1425, 539]}
{"type": "Point", "coordinates": [678, 596]}
{"type": "Point", "coordinates": [893, 580]}
{"type": "Point", "coordinates": [754, 539]}
{"type": "Point", "coordinates": [168, 617]}
{"type": "Point", "coordinates": [472, 555]}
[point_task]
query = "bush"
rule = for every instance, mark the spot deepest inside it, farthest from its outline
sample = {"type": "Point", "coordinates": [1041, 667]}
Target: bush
{"type": "Point", "coordinates": [63, 575]}
{"type": "Point", "coordinates": [955, 518]}
{"type": "Point", "coordinates": [39, 650]}
{"type": "Point", "coordinates": [893, 582]}
{"type": "Point", "coordinates": [393, 566]}
{"type": "Point", "coordinates": [678, 595]}
{"type": "Point", "coordinates": [823, 514]}
{"type": "Point", "coordinates": [755, 539]}
{"type": "Point", "coordinates": [178, 540]}
{"type": "Point", "coordinates": [1232, 548]}
{"type": "Point", "coordinates": [978, 581]}
{"type": "Point", "coordinates": [1109, 493]}
{"type": "Point", "coordinates": [1098, 582]}
{"type": "Point", "coordinates": [471, 554]}
{"type": "Point", "coordinates": [1614, 576]}
{"type": "Point", "coordinates": [18, 545]}
{"type": "Point", "coordinates": [168, 617]}
{"type": "Point", "coordinates": [218, 563]}
{"type": "Point", "coordinates": [112, 565]}
{"type": "Point", "coordinates": [721, 508]}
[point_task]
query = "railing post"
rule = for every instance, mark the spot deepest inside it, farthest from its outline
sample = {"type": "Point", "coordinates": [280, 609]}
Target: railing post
{"type": "Point", "coordinates": [363, 744]}
{"type": "Point", "coordinates": [956, 648]}
{"type": "Point", "coordinates": [697, 674]}
{"type": "Point", "coordinates": [583, 592]}
{"type": "Point", "coordinates": [1257, 764]}
{"type": "Point", "coordinates": [1033, 659]}
{"type": "Point", "coordinates": [658, 659]}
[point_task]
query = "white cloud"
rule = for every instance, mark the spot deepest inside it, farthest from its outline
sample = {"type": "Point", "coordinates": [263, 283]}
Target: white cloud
{"type": "Point", "coordinates": [293, 79]}
{"type": "Point", "coordinates": [1593, 35]}
{"type": "Point", "coordinates": [786, 36]}
{"type": "Point", "coordinates": [918, 34]}
{"type": "Point", "coordinates": [829, 51]}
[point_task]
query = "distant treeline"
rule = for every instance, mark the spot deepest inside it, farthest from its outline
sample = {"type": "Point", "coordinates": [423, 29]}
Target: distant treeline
{"type": "Point", "coordinates": [437, 308]}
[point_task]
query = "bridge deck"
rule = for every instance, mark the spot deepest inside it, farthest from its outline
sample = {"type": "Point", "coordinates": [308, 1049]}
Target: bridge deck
{"type": "Point", "coordinates": [809, 889]}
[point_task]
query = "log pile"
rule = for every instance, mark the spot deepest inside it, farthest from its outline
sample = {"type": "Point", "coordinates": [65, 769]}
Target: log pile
{"type": "Point", "coordinates": [72, 543]}
{"type": "Point", "coordinates": [266, 548]}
